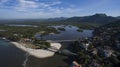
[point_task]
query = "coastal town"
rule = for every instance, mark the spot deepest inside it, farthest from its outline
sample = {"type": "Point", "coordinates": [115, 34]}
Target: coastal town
{"type": "Point", "coordinates": [100, 50]}
{"type": "Point", "coordinates": [59, 33]}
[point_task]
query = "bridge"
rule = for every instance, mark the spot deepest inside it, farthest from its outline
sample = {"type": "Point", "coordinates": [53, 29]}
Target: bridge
{"type": "Point", "coordinates": [63, 51]}
{"type": "Point", "coordinates": [52, 41]}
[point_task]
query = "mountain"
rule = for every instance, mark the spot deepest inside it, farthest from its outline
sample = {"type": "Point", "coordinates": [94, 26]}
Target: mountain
{"type": "Point", "coordinates": [118, 17]}
{"type": "Point", "coordinates": [112, 28]}
{"type": "Point", "coordinates": [92, 19]}
{"type": "Point", "coordinates": [2, 21]}
{"type": "Point", "coordinates": [96, 18]}
{"type": "Point", "coordinates": [57, 19]}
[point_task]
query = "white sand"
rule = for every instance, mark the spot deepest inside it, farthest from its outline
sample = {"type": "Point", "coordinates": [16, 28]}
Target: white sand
{"type": "Point", "coordinates": [39, 53]}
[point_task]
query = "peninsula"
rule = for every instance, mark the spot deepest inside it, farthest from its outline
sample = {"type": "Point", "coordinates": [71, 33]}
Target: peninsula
{"type": "Point", "coordinates": [38, 53]}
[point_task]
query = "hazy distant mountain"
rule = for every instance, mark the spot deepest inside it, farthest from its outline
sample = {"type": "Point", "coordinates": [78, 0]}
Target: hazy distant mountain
{"type": "Point", "coordinates": [97, 18]}
{"type": "Point", "coordinates": [3, 21]}
{"type": "Point", "coordinates": [57, 19]}
{"type": "Point", "coordinates": [32, 20]}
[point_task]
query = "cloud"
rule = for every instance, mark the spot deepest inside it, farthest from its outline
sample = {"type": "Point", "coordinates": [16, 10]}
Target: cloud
{"type": "Point", "coordinates": [3, 4]}
{"type": "Point", "coordinates": [23, 5]}
{"type": "Point", "coordinates": [35, 4]}
{"type": "Point", "coordinates": [59, 12]}
{"type": "Point", "coordinates": [26, 3]}
{"type": "Point", "coordinates": [37, 8]}
{"type": "Point", "coordinates": [63, 10]}
{"type": "Point", "coordinates": [43, 6]}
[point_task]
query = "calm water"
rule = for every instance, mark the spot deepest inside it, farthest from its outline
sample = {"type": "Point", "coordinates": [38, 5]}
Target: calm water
{"type": "Point", "coordinates": [22, 25]}
{"type": "Point", "coordinates": [10, 56]}
{"type": "Point", "coordinates": [71, 33]}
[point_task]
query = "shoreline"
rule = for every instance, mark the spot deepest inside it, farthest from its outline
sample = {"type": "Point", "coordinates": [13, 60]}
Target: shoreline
{"type": "Point", "coordinates": [38, 53]}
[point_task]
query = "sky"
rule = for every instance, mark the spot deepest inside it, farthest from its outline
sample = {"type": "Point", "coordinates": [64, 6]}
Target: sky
{"type": "Point", "coordinates": [35, 9]}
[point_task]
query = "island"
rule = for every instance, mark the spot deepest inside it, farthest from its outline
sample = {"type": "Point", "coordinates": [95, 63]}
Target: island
{"type": "Point", "coordinates": [61, 29]}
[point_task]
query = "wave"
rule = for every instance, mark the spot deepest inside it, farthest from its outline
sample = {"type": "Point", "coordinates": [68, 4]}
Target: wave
{"type": "Point", "coordinates": [26, 60]}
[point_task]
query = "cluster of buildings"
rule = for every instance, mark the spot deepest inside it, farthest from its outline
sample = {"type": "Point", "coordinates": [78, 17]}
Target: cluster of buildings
{"type": "Point", "coordinates": [101, 48]}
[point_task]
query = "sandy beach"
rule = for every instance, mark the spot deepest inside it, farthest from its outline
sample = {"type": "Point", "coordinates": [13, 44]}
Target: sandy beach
{"type": "Point", "coordinates": [38, 53]}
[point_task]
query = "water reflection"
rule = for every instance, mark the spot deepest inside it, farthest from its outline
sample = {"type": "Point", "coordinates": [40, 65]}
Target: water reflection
{"type": "Point", "coordinates": [70, 33]}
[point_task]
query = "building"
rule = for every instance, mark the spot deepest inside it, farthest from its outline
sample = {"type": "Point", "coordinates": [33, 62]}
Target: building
{"type": "Point", "coordinates": [108, 53]}
{"type": "Point", "coordinates": [75, 64]}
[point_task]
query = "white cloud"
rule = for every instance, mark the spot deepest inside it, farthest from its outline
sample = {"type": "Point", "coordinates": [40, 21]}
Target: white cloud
{"type": "Point", "coordinates": [72, 10]}
{"type": "Point", "coordinates": [25, 5]}
{"type": "Point", "coordinates": [45, 8]}
{"type": "Point", "coordinates": [65, 10]}
{"type": "Point", "coordinates": [55, 3]}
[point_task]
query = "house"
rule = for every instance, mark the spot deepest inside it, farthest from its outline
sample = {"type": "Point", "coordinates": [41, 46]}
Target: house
{"type": "Point", "coordinates": [85, 44]}
{"type": "Point", "coordinates": [26, 40]}
{"type": "Point", "coordinates": [105, 51]}
{"type": "Point", "coordinates": [15, 34]}
{"type": "Point", "coordinates": [108, 53]}
{"type": "Point", "coordinates": [51, 33]}
{"type": "Point", "coordinates": [75, 64]}
{"type": "Point", "coordinates": [42, 32]}
{"type": "Point", "coordinates": [94, 51]}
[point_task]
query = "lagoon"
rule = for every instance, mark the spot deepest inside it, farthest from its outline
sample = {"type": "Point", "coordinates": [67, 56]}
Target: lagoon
{"type": "Point", "coordinates": [70, 33]}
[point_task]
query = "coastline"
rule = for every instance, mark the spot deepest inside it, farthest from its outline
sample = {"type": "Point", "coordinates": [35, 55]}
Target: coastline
{"type": "Point", "coordinates": [38, 53]}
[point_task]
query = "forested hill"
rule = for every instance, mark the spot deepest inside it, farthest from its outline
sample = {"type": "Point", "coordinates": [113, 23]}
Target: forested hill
{"type": "Point", "coordinates": [113, 24]}
{"type": "Point", "coordinates": [111, 29]}
{"type": "Point", "coordinates": [96, 18]}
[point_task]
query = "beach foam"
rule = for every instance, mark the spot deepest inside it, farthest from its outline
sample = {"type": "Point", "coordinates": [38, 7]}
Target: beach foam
{"type": "Point", "coordinates": [39, 53]}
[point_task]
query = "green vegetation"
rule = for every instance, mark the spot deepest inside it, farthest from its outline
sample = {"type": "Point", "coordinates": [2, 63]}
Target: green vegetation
{"type": "Point", "coordinates": [15, 33]}
{"type": "Point", "coordinates": [61, 29]}
{"type": "Point", "coordinates": [26, 35]}
{"type": "Point", "coordinates": [79, 30]}
{"type": "Point", "coordinates": [41, 44]}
